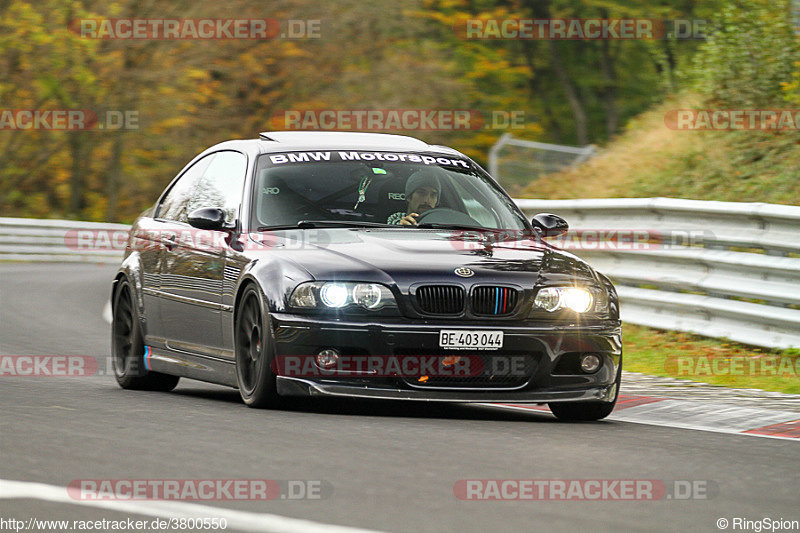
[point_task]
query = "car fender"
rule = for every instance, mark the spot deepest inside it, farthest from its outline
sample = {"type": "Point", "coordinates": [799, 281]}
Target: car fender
{"type": "Point", "coordinates": [276, 279]}
{"type": "Point", "coordinates": [131, 268]}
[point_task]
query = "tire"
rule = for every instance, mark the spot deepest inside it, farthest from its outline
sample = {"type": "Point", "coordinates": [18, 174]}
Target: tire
{"type": "Point", "coordinates": [127, 347]}
{"type": "Point", "coordinates": [587, 411]}
{"type": "Point", "coordinates": [255, 350]}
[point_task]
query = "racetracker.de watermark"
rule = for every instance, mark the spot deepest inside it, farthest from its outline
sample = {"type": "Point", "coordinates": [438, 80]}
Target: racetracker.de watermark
{"type": "Point", "coordinates": [584, 489]}
{"type": "Point", "coordinates": [48, 366]}
{"type": "Point", "coordinates": [86, 240]}
{"type": "Point", "coordinates": [63, 366]}
{"type": "Point", "coordinates": [733, 119]}
{"type": "Point", "coordinates": [582, 239]}
{"type": "Point", "coordinates": [68, 119]}
{"type": "Point", "coordinates": [196, 28]}
{"type": "Point", "coordinates": [406, 366]}
{"type": "Point", "coordinates": [572, 29]}
{"type": "Point", "coordinates": [396, 119]}
{"type": "Point", "coordinates": [198, 489]}
{"type": "Point", "coordinates": [721, 365]}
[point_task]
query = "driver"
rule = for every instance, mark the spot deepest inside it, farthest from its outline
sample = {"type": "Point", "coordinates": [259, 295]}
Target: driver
{"type": "Point", "coordinates": [422, 194]}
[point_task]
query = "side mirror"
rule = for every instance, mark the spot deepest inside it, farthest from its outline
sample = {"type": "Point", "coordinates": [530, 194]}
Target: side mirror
{"type": "Point", "coordinates": [212, 218]}
{"type": "Point", "coordinates": [549, 225]}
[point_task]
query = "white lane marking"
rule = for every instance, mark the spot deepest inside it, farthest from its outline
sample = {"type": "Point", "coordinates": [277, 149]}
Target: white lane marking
{"type": "Point", "coordinates": [622, 416]}
{"type": "Point", "coordinates": [712, 415]}
{"type": "Point", "coordinates": [704, 428]}
{"type": "Point", "coordinates": [107, 312]}
{"type": "Point", "coordinates": [237, 520]}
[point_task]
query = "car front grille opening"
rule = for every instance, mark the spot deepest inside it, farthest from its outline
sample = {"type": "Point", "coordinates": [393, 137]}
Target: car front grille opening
{"type": "Point", "coordinates": [493, 301]}
{"type": "Point", "coordinates": [440, 299]}
{"type": "Point", "coordinates": [495, 371]}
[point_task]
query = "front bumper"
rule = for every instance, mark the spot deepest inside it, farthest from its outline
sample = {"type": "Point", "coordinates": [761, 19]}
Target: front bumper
{"type": "Point", "coordinates": [550, 344]}
{"type": "Point", "coordinates": [289, 386]}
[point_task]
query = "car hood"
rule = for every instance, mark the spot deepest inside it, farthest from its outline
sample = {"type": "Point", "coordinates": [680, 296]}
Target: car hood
{"type": "Point", "coordinates": [404, 256]}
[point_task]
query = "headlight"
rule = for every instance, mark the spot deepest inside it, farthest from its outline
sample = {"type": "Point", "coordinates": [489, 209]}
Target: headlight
{"type": "Point", "coordinates": [579, 300]}
{"type": "Point", "coordinates": [367, 295]}
{"type": "Point", "coordinates": [304, 296]}
{"type": "Point", "coordinates": [340, 295]}
{"type": "Point", "coordinates": [556, 298]}
{"type": "Point", "coordinates": [333, 295]}
{"type": "Point", "coordinates": [548, 299]}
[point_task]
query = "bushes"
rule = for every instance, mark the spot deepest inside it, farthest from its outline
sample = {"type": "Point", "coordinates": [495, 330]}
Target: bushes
{"type": "Point", "coordinates": [750, 56]}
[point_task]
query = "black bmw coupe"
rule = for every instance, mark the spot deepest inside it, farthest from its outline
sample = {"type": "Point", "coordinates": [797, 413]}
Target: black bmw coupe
{"type": "Point", "coordinates": [359, 265]}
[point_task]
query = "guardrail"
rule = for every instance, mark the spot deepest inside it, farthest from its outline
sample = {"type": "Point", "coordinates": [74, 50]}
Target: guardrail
{"type": "Point", "coordinates": [30, 239]}
{"type": "Point", "coordinates": [720, 269]}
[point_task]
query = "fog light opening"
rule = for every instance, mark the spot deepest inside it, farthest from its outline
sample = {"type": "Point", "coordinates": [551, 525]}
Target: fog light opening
{"type": "Point", "coordinates": [590, 363]}
{"type": "Point", "coordinates": [327, 358]}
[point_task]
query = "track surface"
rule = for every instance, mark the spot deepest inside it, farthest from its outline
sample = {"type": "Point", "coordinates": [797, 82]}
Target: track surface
{"type": "Point", "coordinates": [392, 466]}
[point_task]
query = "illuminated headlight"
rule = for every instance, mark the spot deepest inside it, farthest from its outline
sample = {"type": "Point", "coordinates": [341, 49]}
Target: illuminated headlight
{"type": "Point", "coordinates": [579, 300]}
{"type": "Point", "coordinates": [339, 295]}
{"type": "Point", "coordinates": [555, 298]}
{"type": "Point", "coordinates": [333, 295]}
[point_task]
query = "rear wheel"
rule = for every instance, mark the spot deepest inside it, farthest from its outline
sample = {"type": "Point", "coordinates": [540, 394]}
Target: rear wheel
{"type": "Point", "coordinates": [127, 347]}
{"type": "Point", "coordinates": [254, 352]}
{"type": "Point", "coordinates": [582, 411]}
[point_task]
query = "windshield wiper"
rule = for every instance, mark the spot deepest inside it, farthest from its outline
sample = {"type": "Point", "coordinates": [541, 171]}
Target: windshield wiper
{"type": "Point", "coordinates": [439, 225]}
{"type": "Point", "coordinates": [299, 225]}
{"type": "Point", "coordinates": [303, 224]}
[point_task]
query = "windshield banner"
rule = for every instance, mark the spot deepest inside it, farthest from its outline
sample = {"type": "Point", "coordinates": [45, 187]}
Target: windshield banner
{"type": "Point", "coordinates": [341, 156]}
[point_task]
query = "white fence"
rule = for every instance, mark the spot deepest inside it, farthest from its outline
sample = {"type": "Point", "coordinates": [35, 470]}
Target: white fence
{"type": "Point", "coordinates": [514, 163]}
{"type": "Point", "coordinates": [719, 269]}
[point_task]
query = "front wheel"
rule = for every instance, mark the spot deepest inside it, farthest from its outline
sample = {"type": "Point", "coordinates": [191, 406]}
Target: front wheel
{"type": "Point", "coordinates": [587, 411]}
{"type": "Point", "coordinates": [127, 347]}
{"type": "Point", "coordinates": [254, 352]}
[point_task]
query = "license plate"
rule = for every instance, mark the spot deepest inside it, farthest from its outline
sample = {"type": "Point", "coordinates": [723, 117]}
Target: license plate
{"type": "Point", "coordinates": [470, 338]}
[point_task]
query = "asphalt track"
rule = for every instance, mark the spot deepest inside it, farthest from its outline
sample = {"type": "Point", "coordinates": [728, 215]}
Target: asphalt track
{"type": "Point", "coordinates": [386, 466]}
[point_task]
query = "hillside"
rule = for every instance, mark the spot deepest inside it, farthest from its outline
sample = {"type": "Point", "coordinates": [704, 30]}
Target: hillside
{"type": "Point", "coordinates": [650, 159]}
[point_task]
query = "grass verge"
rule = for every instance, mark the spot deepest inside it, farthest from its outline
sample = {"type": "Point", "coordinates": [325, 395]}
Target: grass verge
{"type": "Point", "coordinates": [714, 361]}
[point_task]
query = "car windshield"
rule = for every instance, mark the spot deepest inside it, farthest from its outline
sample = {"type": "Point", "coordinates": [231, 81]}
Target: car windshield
{"type": "Point", "coordinates": [377, 188]}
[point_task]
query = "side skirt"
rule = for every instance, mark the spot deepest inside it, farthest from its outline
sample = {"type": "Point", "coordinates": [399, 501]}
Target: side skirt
{"type": "Point", "coordinates": [192, 366]}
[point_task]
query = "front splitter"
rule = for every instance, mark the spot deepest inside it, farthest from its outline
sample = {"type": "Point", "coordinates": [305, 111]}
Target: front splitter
{"type": "Point", "coordinates": [289, 386]}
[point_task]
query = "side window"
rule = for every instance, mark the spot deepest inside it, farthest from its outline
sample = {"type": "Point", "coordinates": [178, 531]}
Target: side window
{"type": "Point", "coordinates": [222, 184]}
{"type": "Point", "coordinates": [214, 181]}
{"type": "Point", "coordinates": [175, 205]}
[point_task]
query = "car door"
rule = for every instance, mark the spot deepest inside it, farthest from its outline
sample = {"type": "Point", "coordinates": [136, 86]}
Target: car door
{"type": "Point", "coordinates": [147, 242]}
{"type": "Point", "coordinates": [158, 234]}
{"type": "Point", "coordinates": [193, 267]}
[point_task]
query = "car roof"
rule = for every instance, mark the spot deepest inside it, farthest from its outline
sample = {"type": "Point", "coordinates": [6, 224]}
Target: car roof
{"type": "Point", "coordinates": [288, 141]}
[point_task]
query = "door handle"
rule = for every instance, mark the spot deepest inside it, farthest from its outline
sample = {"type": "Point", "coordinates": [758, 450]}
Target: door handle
{"type": "Point", "coordinates": [169, 241]}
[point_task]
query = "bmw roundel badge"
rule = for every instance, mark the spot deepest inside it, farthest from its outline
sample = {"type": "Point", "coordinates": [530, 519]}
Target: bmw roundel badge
{"type": "Point", "coordinates": [464, 272]}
